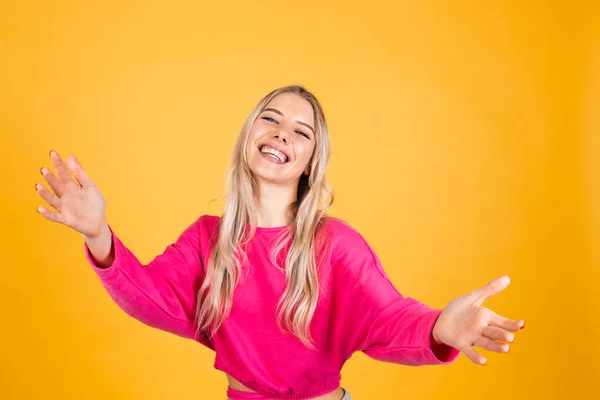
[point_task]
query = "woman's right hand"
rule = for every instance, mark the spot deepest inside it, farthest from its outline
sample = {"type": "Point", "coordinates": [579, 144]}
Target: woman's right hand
{"type": "Point", "coordinates": [78, 202]}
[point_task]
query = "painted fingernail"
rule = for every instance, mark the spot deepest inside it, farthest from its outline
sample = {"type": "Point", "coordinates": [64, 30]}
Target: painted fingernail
{"type": "Point", "coordinates": [36, 186]}
{"type": "Point", "coordinates": [523, 326]}
{"type": "Point", "coordinates": [42, 170]}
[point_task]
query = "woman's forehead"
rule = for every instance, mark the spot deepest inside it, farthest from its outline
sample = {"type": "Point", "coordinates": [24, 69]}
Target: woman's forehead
{"type": "Point", "coordinates": [292, 105]}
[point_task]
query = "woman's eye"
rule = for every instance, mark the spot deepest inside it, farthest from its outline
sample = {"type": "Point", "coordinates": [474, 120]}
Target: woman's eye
{"type": "Point", "coordinates": [275, 121]}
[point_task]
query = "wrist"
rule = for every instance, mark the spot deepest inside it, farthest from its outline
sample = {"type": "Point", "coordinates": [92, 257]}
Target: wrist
{"type": "Point", "coordinates": [101, 248]}
{"type": "Point", "coordinates": [103, 233]}
{"type": "Point", "coordinates": [435, 340]}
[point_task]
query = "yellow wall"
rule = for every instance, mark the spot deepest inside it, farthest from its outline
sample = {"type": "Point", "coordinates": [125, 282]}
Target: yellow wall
{"type": "Point", "coordinates": [464, 146]}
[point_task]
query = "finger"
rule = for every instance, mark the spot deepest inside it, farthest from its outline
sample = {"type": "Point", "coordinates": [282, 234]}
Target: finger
{"type": "Point", "coordinates": [55, 184]}
{"type": "Point", "coordinates": [495, 333]}
{"type": "Point", "coordinates": [492, 288]}
{"type": "Point", "coordinates": [474, 356]}
{"type": "Point", "coordinates": [61, 168]}
{"type": "Point", "coordinates": [79, 173]}
{"type": "Point", "coordinates": [512, 325]}
{"type": "Point", "coordinates": [491, 345]}
{"type": "Point", "coordinates": [47, 195]}
{"type": "Point", "coordinates": [51, 215]}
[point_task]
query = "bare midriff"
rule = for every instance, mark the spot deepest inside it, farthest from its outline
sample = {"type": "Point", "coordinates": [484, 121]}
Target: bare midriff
{"type": "Point", "coordinates": [337, 394]}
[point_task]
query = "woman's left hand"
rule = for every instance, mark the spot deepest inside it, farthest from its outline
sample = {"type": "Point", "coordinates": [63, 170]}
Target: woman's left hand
{"type": "Point", "coordinates": [464, 323]}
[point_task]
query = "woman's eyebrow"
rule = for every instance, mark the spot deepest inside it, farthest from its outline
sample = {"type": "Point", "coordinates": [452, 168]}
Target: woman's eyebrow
{"type": "Point", "coordinates": [280, 113]}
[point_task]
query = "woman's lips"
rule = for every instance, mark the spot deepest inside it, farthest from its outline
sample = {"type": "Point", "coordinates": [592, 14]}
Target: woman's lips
{"type": "Point", "coordinates": [271, 158]}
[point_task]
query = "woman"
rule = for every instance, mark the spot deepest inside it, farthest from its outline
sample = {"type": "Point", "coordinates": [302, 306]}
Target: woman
{"type": "Point", "coordinates": [283, 293]}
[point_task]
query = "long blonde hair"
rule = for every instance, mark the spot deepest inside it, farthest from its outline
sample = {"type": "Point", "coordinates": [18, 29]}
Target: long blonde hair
{"type": "Point", "coordinates": [306, 237]}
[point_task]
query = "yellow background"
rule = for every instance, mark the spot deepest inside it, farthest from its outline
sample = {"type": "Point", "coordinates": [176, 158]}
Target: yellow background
{"type": "Point", "coordinates": [465, 146]}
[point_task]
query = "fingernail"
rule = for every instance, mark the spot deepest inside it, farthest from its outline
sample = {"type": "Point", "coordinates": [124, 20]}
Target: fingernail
{"type": "Point", "coordinates": [523, 326]}
{"type": "Point", "coordinates": [42, 170]}
{"type": "Point", "coordinates": [52, 153]}
{"type": "Point", "coordinates": [39, 209]}
{"type": "Point", "coordinates": [36, 186]}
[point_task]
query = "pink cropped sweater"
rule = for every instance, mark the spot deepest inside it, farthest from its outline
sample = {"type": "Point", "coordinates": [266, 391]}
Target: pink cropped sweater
{"type": "Point", "coordinates": [359, 309]}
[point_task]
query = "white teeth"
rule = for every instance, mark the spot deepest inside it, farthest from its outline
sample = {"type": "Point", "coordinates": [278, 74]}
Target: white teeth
{"type": "Point", "coordinates": [276, 153]}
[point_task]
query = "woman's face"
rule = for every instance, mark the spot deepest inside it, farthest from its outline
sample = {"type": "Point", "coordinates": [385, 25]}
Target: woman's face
{"type": "Point", "coordinates": [282, 140]}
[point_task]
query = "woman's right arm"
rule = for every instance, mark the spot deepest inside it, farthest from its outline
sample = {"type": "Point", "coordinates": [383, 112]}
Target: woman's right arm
{"type": "Point", "coordinates": [162, 293]}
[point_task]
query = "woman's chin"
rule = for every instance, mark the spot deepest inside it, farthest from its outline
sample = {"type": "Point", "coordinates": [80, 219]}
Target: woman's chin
{"type": "Point", "coordinates": [275, 179]}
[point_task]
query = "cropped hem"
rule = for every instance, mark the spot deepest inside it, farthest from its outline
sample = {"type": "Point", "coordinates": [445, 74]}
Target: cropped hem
{"type": "Point", "coordinates": [328, 384]}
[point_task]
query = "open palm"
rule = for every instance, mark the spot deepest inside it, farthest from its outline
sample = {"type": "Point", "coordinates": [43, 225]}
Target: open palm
{"type": "Point", "coordinates": [464, 323]}
{"type": "Point", "coordinates": [77, 202]}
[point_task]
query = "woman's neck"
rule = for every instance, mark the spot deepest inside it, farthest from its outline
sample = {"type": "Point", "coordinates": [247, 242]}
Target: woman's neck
{"type": "Point", "coordinates": [273, 206]}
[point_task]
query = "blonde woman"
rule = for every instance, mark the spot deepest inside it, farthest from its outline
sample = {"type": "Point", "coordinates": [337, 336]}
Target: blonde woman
{"type": "Point", "coordinates": [283, 293]}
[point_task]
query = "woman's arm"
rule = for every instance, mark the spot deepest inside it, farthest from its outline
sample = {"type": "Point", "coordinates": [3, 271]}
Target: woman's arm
{"type": "Point", "coordinates": [160, 294]}
{"type": "Point", "coordinates": [387, 326]}
{"type": "Point", "coordinates": [377, 318]}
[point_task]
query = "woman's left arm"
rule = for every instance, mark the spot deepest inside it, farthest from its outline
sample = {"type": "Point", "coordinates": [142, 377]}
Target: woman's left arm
{"type": "Point", "coordinates": [386, 326]}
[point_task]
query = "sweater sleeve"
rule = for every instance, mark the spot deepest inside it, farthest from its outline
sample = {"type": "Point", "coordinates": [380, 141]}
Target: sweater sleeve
{"type": "Point", "coordinates": [162, 293]}
{"type": "Point", "coordinates": [379, 321]}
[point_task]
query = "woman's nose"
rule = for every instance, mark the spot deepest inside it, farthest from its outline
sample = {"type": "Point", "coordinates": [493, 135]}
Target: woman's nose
{"type": "Point", "coordinates": [282, 135]}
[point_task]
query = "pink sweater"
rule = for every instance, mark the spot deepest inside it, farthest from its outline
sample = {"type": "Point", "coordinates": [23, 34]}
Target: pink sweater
{"type": "Point", "coordinates": [361, 310]}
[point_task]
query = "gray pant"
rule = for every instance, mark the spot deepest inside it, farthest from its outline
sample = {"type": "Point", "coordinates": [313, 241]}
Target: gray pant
{"type": "Point", "coordinates": [347, 395]}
